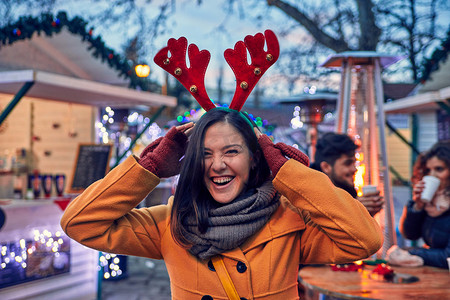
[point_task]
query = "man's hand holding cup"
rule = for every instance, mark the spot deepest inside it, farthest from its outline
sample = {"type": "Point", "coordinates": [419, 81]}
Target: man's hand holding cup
{"type": "Point", "coordinates": [371, 199]}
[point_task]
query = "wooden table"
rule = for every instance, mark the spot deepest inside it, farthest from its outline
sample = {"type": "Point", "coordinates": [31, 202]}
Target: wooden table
{"type": "Point", "coordinates": [434, 283]}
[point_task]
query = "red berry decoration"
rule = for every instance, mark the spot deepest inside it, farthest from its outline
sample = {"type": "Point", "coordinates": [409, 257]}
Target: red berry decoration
{"type": "Point", "coordinates": [384, 270]}
{"type": "Point", "coordinates": [352, 267]}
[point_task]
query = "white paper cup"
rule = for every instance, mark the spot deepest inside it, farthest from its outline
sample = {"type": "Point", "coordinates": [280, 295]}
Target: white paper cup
{"type": "Point", "coordinates": [368, 190]}
{"type": "Point", "coordinates": [431, 185]}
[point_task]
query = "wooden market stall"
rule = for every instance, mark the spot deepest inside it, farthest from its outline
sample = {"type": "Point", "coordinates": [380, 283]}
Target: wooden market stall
{"type": "Point", "coordinates": [52, 87]}
{"type": "Point", "coordinates": [428, 106]}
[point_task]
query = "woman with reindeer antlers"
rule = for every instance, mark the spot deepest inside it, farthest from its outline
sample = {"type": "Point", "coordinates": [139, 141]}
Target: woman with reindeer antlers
{"type": "Point", "coordinates": [246, 212]}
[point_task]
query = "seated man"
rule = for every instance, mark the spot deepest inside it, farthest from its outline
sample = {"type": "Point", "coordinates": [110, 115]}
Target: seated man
{"type": "Point", "coordinates": [335, 156]}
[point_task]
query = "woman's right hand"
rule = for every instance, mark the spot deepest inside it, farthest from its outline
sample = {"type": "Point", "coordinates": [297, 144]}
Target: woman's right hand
{"type": "Point", "coordinates": [162, 157]}
{"type": "Point", "coordinates": [417, 193]}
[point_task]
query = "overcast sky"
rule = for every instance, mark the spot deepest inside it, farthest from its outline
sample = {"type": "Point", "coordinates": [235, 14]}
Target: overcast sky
{"type": "Point", "coordinates": [197, 24]}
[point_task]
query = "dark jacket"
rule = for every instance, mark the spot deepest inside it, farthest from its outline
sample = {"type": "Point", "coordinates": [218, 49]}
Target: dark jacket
{"type": "Point", "coordinates": [435, 232]}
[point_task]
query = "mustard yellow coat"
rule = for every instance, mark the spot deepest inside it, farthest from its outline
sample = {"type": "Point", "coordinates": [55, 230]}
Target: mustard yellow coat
{"type": "Point", "coordinates": [316, 223]}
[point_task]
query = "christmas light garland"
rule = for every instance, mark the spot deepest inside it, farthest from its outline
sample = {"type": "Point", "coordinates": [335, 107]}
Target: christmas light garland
{"type": "Point", "coordinates": [194, 115]}
{"type": "Point", "coordinates": [48, 24]}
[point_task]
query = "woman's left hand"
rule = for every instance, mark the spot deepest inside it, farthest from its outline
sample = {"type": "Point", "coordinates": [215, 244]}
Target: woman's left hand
{"type": "Point", "coordinates": [186, 128]}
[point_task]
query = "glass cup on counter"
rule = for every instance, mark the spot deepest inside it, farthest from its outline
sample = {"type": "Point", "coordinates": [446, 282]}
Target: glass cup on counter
{"type": "Point", "coordinates": [34, 183]}
{"type": "Point", "coordinates": [60, 184]}
{"type": "Point", "coordinates": [47, 183]}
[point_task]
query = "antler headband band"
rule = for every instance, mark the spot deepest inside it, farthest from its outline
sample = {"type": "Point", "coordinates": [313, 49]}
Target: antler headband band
{"type": "Point", "coordinates": [193, 78]}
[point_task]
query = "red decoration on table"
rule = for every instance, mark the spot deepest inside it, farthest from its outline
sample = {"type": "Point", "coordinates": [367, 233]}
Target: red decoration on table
{"type": "Point", "coordinates": [352, 267]}
{"type": "Point", "coordinates": [383, 269]}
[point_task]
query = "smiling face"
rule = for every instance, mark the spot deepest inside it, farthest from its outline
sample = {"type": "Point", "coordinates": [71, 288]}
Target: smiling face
{"type": "Point", "coordinates": [227, 162]}
{"type": "Point", "coordinates": [344, 169]}
{"type": "Point", "coordinates": [342, 173]}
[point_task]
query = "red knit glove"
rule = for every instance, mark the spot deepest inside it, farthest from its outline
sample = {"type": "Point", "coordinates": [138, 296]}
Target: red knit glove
{"type": "Point", "coordinates": [276, 154]}
{"type": "Point", "coordinates": [294, 153]}
{"type": "Point", "coordinates": [162, 157]}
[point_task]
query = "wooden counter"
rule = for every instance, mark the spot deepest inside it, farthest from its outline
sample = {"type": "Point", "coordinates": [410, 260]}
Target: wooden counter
{"type": "Point", "coordinates": [433, 284]}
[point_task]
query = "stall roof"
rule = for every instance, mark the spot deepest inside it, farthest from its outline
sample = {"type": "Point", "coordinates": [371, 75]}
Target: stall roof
{"type": "Point", "coordinates": [62, 53]}
{"type": "Point", "coordinates": [419, 102]}
{"type": "Point", "coordinates": [69, 89]}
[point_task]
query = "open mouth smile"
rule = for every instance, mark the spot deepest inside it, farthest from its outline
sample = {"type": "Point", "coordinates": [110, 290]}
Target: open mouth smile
{"type": "Point", "coordinates": [223, 180]}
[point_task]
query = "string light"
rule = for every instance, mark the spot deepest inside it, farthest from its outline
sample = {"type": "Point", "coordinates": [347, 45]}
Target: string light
{"type": "Point", "coordinates": [142, 70]}
{"type": "Point", "coordinates": [296, 123]}
{"type": "Point", "coordinates": [110, 264]}
{"type": "Point", "coordinates": [190, 116]}
{"type": "Point", "coordinates": [310, 90]}
{"type": "Point", "coordinates": [14, 255]}
{"type": "Point", "coordinates": [194, 115]}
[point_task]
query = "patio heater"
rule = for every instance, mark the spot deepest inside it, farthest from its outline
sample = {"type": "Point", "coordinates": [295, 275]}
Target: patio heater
{"type": "Point", "coordinates": [360, 114]}
{"type": "Point", "coordinates": [310, 109]}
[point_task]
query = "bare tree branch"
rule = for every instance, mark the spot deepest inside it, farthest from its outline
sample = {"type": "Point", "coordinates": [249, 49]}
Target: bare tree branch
{"type": "Point", "coordinates": [338, 45]}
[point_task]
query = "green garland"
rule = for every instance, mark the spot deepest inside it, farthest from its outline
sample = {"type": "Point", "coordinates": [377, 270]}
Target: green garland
{"type": "Point", "coordinates": [432, 64]}
{"type": "Point", "coordinates": [48, 24]}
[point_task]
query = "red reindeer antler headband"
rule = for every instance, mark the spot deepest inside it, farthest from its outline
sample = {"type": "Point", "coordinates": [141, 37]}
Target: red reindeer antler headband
{"type": "Point", "coordinates": [193, 78]}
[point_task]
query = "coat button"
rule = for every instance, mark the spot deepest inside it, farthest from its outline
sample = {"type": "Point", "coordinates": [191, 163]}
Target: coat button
{"type": "Point", "coordinates": [211, 266]}
{"type": "Point", "coordinates": [207, 297]}
{"type": "Point", "coordinates": [241, 267]}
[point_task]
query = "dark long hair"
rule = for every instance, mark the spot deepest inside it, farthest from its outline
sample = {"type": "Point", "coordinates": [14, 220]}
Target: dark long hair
{"type": "Point", "coordinates": [191, 195]}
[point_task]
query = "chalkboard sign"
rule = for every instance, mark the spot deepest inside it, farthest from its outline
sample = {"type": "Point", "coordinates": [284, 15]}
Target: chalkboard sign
{"type": "Point", "coordinates": [91, 164]}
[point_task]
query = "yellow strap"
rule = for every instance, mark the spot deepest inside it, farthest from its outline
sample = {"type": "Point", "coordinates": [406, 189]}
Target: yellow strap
{"type": "Point", "coordinates": [225, 278]}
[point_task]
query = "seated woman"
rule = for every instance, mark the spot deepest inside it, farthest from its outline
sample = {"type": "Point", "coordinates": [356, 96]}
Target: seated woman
{"type": "Point", "coordinates": [430, 220]}
{"type": "Point", "coordinates": [240, 207]}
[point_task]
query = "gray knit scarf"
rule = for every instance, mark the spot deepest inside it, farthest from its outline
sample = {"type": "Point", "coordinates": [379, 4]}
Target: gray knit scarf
{"type": "Point", "coordinates": [230, 225]}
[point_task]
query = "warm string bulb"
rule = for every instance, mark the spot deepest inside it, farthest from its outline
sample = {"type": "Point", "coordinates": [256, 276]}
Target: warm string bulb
{"type": "Point", "coordinates": [110, 263]}
{"type": "Point", "coordinates": [142, 70]}
{"type": "Point", "coordinates": [17, 256]}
